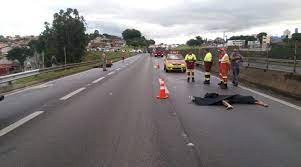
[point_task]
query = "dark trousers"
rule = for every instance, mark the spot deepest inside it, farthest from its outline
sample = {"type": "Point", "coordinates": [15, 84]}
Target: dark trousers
{"type": "Point", "coordinates": [235, 71]}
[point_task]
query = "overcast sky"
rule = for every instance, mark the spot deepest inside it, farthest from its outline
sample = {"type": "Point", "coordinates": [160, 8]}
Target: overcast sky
{"type": "Point", "coordinates": [168, 21]}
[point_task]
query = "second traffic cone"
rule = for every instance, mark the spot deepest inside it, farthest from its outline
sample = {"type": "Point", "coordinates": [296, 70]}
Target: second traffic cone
{"type": "Point", "coordinates": [162, 92]}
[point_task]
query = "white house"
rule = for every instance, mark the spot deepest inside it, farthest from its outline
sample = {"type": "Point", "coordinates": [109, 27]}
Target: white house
{"type": "Point", "coordinates": [253, 44]}
{"type": "Point", "coordinates": [266, 41]}
{"type": "Point", "coordinates": [238, 43]}
{"type": "Point", "coordinates": [5, 50]}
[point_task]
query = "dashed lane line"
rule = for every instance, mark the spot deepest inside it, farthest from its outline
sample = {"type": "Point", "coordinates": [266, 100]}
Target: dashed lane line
{"type": "Point", "coordinates": [19, 123]}
{"type": "Point", "coordinates": [72, 93]}
{"type": "Point", "coordinates": [111, 73]}
{"type": "Point", "coordinates": [98, 80]}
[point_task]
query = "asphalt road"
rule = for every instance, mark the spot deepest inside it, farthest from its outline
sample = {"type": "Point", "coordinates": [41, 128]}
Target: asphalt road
{"type": "Point", "coordinates": [112, 119]}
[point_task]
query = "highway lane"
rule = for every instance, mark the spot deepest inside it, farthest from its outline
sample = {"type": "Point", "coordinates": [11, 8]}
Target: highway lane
{"type": "Point", "coordinates": [113, 123]}
{"type": "Point", "coordinates": [118, 122]}
{"type": "Point", "coordinates": [22, 102]}
{"type": "Point", "coordinates": [247, 136]}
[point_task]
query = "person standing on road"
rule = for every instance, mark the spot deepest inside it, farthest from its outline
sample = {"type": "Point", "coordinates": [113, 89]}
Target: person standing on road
{"type": "Point", "coordinates": [123, 55]}
{"type": "Point", "coordinates": [236, 59]}
{"type": "Point", "coordinates": [104, 62]}
{"type": "Point", "coordinates": [224, 68]}
{"type": "Point", "coordinates": [207, 65]}
{"type": "Point", "coordinates": [220, 55]}
{"type": "Point", "coordinates": [190, 60]}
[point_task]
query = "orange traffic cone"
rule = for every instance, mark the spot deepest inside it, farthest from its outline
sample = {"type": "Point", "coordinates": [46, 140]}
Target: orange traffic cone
{"type": "Point", "coordinates": [162, 92]}
{"type": "Point", "coordinates": [158, 66]}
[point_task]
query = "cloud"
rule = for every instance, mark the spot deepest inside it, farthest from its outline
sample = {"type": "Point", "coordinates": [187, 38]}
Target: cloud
{"type": "Point", "coordinates": [167, 20]}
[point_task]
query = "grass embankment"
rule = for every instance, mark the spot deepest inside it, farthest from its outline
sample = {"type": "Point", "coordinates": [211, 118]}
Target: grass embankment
{"type": "Point", "coordinates": [51, 75]}
{"type": "Point", "coordinates": [94, 55]}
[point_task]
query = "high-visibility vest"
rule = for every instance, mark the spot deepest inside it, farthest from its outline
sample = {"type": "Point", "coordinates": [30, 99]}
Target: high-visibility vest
{"type": "Point", "coordinates": [208, 57]}
{"type": "Point", "coordinates": [191, 57]}
{"type": "Point", "coordinates": [225, 59]}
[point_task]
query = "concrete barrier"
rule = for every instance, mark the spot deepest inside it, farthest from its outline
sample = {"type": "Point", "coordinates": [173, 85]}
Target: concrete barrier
{"type": "Point", "coordinates": [288, 84]}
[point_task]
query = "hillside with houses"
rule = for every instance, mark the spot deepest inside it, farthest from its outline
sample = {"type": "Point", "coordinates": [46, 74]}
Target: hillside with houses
{"type": "Point", "coordinates": [100, 42]}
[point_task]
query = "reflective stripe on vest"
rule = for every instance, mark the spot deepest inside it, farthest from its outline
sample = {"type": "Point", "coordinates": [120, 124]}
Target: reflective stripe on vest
{"type": "Point", "coordinates": [225, 59]}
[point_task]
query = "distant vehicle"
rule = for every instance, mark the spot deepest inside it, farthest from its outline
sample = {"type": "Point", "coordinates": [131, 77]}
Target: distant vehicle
{"type": "Point", "coordinates": [139, 51]}
{"type": "Point", "coordinates": [174, 62]}
{"type": "Point", "coordinates": [158, 53]}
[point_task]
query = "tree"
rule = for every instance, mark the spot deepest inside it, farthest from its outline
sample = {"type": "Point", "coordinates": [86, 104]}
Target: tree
{"type": "Point", "coordinates": [19, 54]}
{"type": "Point", "coordinates": [134, 38]}
{"type": "Point", "coordinates": [66, 35]}
{"type": "Point", "coordinates": [130, 34]}
{"type": "Point", "coordinates": [151, 42]}
{"type": "Point", "coordinates": [195, 42]}
{"type": "Point", "coordinates": [200, 40]}
{"type": "Point", "coordinates": [192, 42]}
{"type": "Point", "coordinates": [260, 36]}
{"type": "Point", "coordinates": [96, 33]}
{"type": "Point", "coordinates": [296, 37]}
{"type": "Point", "coordinates": [219, 40]}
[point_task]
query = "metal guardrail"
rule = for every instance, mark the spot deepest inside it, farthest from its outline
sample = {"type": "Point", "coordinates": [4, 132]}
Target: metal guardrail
{"type": "Point", "coordinates": [12, 77]}
{"type": "Point", "coordinates": [284, 65]}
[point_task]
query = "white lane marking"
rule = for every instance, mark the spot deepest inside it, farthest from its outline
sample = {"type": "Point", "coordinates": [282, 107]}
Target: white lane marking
{"type": "Point", "coordinates": [45, 85]}
{"type": "Point", "coordinates": [272, 98]}
{"type": "Point", "coordinates": [111, 73]}
{"type": "Point", "coordinates": [190, 144]}
{"type": "Point", "coordinates": [268, 96]}
{"type": "Point", "coordinates": [42, 86]}
{"type": "Point", "coordinates": [98, 80]}
{"type": "Point", "coordinates": [72, 94]}
{"type": "Point", "coordinates": [118, 69]}
{"type": "Point", "coordinates": [19, 123]}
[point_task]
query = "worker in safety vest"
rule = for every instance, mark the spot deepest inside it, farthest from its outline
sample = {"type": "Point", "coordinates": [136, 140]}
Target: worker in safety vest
{"type": "Point", "coordinates": [207, 65]}
{"type": "Point", "coordinates": [190, 60]}
{"type": "Point", "coordinates": [224, 68]}
{"type": "Point", "coordinates": [220, 55]}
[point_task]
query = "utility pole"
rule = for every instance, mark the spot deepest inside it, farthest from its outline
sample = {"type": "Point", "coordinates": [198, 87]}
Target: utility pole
{"type": "Point", "coordinates": [267, 57]}
{"type": "Point", "coordinates": [65, 56]}
{"type": "Point", "coordinates": [224, 39]}
{"type": "Point", "coordinates": [43, 59]}
{"type": "Point", "coordinates": [295, 57]}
